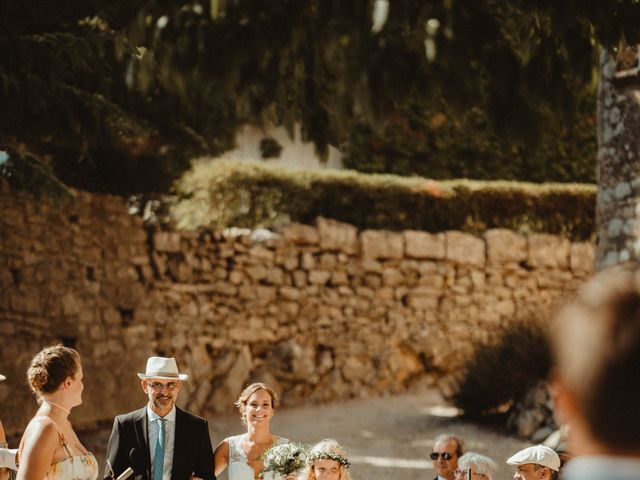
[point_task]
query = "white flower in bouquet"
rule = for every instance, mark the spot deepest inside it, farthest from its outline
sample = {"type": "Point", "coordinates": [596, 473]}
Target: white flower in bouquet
{"type": "Point", "coordinates": [285, 458]}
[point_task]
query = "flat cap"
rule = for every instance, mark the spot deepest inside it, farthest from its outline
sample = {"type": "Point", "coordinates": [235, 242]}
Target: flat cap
{"type": "Point", "coordinates": [538, 454]}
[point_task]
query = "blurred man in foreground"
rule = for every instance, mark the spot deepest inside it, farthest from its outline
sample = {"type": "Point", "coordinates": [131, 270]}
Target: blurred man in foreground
{"type": "Point", "coordinates": [596, 379]}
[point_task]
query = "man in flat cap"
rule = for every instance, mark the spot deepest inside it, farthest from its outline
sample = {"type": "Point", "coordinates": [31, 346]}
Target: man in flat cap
{"type": "Point", "coordinates": [160, 441]}
{"type": "Point", "coordinates": [535, 463]}
{"type": "Point", "coordinates": [596, 379]}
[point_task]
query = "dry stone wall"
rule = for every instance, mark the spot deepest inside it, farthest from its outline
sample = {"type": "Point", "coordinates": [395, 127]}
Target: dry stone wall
{"type": "Point", "coordinates": [321, 312]}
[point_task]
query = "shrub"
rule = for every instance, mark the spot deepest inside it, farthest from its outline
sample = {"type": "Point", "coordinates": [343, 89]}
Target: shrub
{"type": "Point", "coordinates": [219, 194]}
{"type": "Point", "coordinates": [501, 373]}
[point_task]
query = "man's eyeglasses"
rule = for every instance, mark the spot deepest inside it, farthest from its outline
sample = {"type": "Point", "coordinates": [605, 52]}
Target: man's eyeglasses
{"type": "Point", "coordinates": [158, 386]}
{"type": "Point", "coordinates": [444, 455]}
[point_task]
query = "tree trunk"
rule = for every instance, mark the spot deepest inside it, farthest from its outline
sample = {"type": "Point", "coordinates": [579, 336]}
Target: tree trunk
{"type": "Point", "coordinates": [618, 202]}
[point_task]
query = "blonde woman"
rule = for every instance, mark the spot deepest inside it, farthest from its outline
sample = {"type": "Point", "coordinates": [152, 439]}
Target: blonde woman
{"type": "Point", "coordinates": [327, 461]}
{"type": "Point", "coordinates": [482, 467]}
{"type": "Point", "coordinates": [50, 448]}
{"type": "Point", "coordinates": [241, 454]}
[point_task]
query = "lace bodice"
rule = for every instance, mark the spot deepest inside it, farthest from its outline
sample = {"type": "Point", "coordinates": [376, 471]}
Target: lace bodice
{"type": "Point", "coordinates": [239, 469]}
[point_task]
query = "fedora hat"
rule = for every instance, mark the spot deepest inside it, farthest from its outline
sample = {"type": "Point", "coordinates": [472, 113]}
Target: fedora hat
{"type": "Point", "coordinates": [163, 368]}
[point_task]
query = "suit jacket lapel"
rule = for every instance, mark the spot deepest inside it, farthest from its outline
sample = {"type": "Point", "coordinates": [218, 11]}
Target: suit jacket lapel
{"type": "Point", "coordinates": [179, 443]}
{"type": "Point", "coordinates": [142, 433]}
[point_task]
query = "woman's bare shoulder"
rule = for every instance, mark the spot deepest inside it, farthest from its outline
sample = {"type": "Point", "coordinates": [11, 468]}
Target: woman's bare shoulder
{"type": "Point", "coordinates": [42, 429]}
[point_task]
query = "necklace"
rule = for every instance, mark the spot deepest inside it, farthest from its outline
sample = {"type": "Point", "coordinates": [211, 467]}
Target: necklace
{"type": "Point", "coordinates": [59, 406]}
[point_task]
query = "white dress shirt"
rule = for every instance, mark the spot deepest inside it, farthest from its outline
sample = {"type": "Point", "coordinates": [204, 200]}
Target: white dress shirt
{"type": "Point", "coordinates": [169, 438]}
{"type": "Point", "coordinates": [602, 468]}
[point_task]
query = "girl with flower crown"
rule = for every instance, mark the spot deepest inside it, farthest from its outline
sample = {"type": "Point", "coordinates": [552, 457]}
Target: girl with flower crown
{"type": "Point", "coordinates": [326, 461]}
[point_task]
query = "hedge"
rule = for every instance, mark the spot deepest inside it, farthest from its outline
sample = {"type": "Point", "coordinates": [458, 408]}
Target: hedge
{"type": "Point", "coordinates": [219, 194]}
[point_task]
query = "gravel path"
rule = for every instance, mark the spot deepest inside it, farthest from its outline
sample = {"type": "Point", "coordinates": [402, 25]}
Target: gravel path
{"type": "Point", "coordinates": [388, 438]}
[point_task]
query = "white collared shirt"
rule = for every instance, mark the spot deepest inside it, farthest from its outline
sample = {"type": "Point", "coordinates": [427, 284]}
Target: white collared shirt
{"type": "Point", "coordinates": [169, 439]}
{"type": "Point", "coordinates": [602, 467]}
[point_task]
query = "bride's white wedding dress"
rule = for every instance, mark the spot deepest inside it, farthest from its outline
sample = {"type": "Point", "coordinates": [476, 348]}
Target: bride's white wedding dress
{"type": "Point", "coordinates": [239, 469]}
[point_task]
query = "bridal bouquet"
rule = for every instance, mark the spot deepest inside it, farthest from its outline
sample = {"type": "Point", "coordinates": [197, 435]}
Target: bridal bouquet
{"type": "Point", "coordinates": [285, 458]}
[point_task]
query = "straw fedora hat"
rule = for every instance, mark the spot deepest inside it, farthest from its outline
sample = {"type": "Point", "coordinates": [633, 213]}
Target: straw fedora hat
{"type": "Point", "coordinates": [163, 368]}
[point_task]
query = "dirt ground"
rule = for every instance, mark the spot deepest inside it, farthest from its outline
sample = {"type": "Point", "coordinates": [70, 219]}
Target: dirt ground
{"type": "Point", "coordinates": [387, 437]}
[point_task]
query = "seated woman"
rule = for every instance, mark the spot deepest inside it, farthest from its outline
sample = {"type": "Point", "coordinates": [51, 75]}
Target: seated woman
{"type": "Point", "coordinates": [50, 448]}
{"type": "Point", "coordinates": [482, 467]}
{"type": "Point", "coordinates": [242, 453]}
{"type": "Point", "coordinates": [327, 461]}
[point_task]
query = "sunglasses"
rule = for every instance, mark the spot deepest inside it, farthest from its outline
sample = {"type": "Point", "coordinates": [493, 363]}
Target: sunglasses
{"type": "Point", "coordinates": [444, 455]}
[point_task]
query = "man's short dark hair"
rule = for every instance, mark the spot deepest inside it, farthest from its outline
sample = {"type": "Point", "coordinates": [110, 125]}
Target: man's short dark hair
{"type": "Point", "coordinates": [596, 345]}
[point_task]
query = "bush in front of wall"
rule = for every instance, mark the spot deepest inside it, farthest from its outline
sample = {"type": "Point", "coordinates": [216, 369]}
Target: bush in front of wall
{"type": "Point", "coordinates": [502, 372]}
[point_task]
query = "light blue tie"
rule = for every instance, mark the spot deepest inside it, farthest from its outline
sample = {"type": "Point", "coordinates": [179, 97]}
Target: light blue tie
{"type": "Point", "coordinates": [158, 460]}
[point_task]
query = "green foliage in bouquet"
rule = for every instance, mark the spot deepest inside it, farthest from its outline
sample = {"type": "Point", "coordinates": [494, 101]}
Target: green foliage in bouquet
{"type": "Point", "coordinates": [285, 458]}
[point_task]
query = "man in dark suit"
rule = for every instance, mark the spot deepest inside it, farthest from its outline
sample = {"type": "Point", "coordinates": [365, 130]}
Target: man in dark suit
{"type": "Point", "coordinates": [447, 449]}
{"type": "Point", "coordinates": [160, 441]}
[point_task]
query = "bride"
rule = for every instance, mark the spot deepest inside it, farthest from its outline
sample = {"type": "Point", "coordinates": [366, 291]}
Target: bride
{"type": "Point", "coordinates": [241, 454]}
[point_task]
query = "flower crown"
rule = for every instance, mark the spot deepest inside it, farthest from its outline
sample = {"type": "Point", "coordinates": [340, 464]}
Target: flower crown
{"type": "Point", "coordinates": [341, 459]}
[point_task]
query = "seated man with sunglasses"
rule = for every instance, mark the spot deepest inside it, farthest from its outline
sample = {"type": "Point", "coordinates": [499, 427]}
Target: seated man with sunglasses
{"type": "Point", "coordinates": [160, 441]}
{"type": "Point", "coordinates": [446, 451]}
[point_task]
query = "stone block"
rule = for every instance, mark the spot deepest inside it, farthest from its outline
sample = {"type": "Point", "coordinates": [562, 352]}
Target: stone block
{"type": "Point", "coordinates": [505, 246]}
{"type": "Point", "coordinates": [582, 257]}
{"type": "Point", "coordinates": [392, 277]}
{"type": "Point", "coordinates": [301, 234]}
{"type": "Point", "coordinates": [26, 303]}
{"type": "Point", "coordinates": [70, 304]}
{"type": "Point", "coordinates": [167, 242]}
{"type": "Point", "coordinates": [257, 272]}
{"type": "Point", "coordinates": [339, 278]}
{"type": "Point", "coordinates": [226, 288]}
{"type": "Point", "coordinates": [328, 261]}
{"type": "Point", "coordinates": [290, 293]}
{"type": "Point", "coordinates": [308, 262]}
{"type": "Point", "coordinates": [300, 278]}
{"type": "Point", "coordinates": [548, 251]}
{"type": "Point", "coordinates": [337, 236]}
{"type": "Point", "coordinates": [424, 245]}
{"type": "Point", "coordinates": [319, 277]}
{"type": "Point", "coordinates": [265, 294]}
{"type": "Point", "coordinates": [276, 276]}
{"type": "Point", "coordinates": [465, 249]}
{"type": "Point", "coordinates": [357, 369]}
{"type": "Point", "coordinates": [382, 244]}
{"type": "Point", "coordinates": [404, 364]}
{"type": "Point", "coordinates": [262, 253]}
{"type": "Point", "coordinates": [423, 298]}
